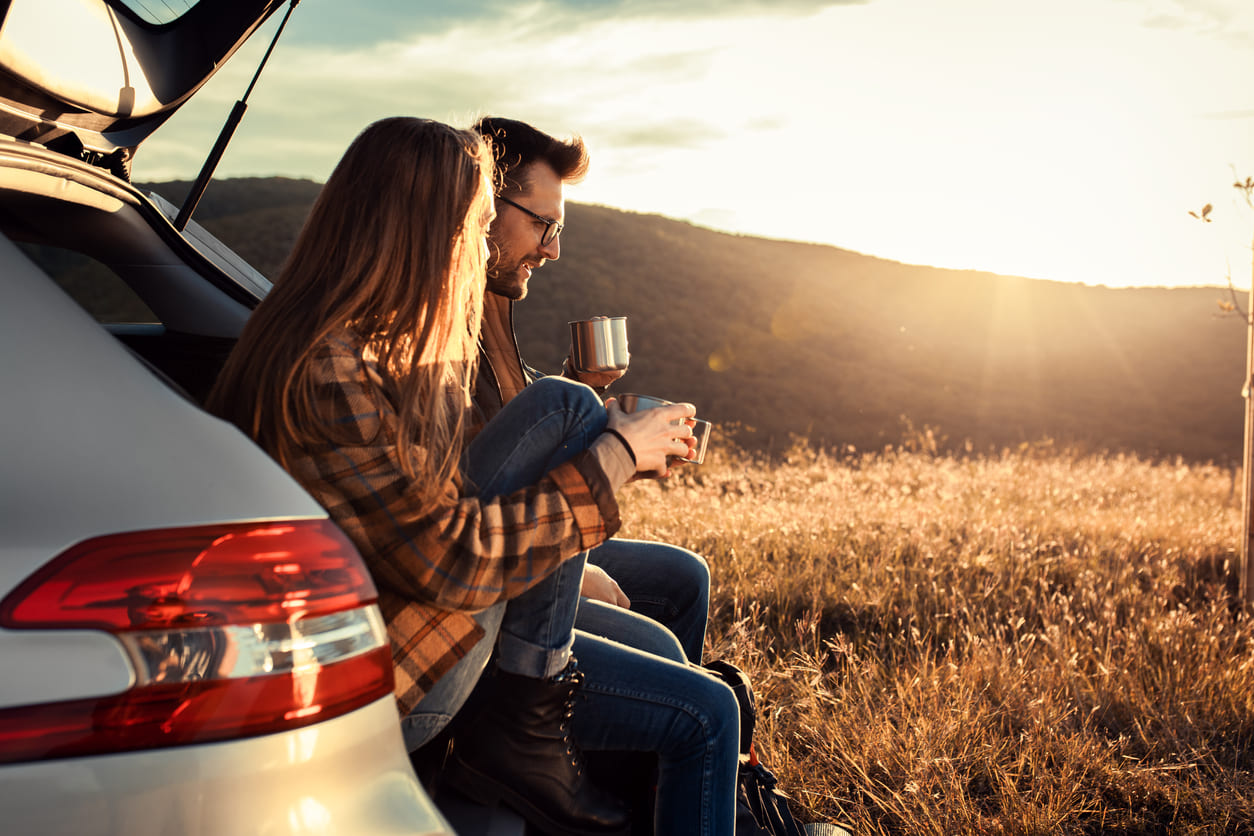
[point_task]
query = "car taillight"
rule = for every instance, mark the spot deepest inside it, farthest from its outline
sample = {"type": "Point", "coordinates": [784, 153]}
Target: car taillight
{"type": "Point", "coordinates": [232, 630]}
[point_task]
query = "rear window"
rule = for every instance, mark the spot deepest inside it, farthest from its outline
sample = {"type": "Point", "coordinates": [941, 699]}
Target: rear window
{"type": "Point", "coordinates": [157, 11]}
{"type": "Point", "coordinates": [93, 285]}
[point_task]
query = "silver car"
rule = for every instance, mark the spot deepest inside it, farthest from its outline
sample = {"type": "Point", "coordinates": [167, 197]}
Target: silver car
{"type": "Point", "coordinates": [187, 644]}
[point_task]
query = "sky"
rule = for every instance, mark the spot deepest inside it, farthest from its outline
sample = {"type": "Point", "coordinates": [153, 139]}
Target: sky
{"type": "Point", "coordinates": [1066, 140]}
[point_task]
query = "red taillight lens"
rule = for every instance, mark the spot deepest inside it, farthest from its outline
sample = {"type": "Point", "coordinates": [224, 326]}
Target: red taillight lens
{"type": "Point", "coordinates": [229, 574]}
{"type": "Point", "coordinates": [233, 631]}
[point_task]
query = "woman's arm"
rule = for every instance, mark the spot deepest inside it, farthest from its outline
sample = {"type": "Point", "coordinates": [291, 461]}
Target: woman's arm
{"type": "Point", "coordinates": [462, 552]}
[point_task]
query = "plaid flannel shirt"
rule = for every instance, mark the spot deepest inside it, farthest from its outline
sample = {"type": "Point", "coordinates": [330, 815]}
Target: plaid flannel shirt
{"type": "Point", "coordinates": [434, 566]}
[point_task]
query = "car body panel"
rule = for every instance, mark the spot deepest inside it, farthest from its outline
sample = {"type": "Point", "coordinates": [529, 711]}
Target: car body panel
{"type": "Point", "coordinates": [344, 776]}
{"type": "Point", "coordinates": [119, 449]}
{"type": "Point", "coordinates": [100, 667]}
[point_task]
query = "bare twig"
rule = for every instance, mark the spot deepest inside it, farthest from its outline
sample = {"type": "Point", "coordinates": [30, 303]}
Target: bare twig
{"type": "Point", "coordinates": [1246, 188]}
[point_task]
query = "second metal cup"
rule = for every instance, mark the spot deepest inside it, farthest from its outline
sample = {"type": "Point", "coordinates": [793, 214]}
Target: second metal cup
{"type": "Point", "coordinates": [701, 432]}
{"type": "Point", "coordinates": [599, 344]}
{"type": "Point", "coordinates": [631, 402]}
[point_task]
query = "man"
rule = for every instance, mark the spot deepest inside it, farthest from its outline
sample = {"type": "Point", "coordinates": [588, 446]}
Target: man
{"type": "Point", "coordinates": [663, 582]}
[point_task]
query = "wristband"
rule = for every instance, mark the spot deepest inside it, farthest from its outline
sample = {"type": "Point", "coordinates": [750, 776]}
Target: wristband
{"type": "Point", "coordinates": [619, 436]}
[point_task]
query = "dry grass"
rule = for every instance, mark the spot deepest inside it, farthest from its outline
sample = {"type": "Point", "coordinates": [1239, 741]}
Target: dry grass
{"type": "Point", "coordinates": [1025, 643]}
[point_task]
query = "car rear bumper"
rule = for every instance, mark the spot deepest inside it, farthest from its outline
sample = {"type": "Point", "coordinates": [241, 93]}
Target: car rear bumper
{"type": "Point", "coordinates": [350, 775]}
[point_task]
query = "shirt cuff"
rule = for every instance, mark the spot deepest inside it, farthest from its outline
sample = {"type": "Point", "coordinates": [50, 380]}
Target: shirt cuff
{"type": "Point", "coordinates": [614, 459]}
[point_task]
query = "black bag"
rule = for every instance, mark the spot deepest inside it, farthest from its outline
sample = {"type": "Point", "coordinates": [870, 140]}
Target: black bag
{"type": "Point", "coordinates": [761, 808]}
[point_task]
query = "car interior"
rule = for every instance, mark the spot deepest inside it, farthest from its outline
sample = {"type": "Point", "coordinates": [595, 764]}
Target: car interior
{"type": "Point", "coordinates": [188, 294]}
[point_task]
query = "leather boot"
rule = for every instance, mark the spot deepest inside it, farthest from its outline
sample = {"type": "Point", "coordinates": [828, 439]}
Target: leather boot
{"type": "Point", "coordinates": [518, 749]}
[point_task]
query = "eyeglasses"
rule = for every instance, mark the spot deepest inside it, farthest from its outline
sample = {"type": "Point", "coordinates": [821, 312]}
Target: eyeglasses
{"type": "Point", "coordinates": [552, 229]}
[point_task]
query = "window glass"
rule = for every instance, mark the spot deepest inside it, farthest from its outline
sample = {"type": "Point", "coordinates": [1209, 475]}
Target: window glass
{"type": "Point", "coordinates": [158, 11]}
{"type": "Point", "coordinates": [93, 285]}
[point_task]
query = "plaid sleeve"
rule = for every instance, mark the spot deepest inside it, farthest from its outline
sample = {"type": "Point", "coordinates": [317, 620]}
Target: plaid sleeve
{"type": "Point", "coordinates": [465, 553]}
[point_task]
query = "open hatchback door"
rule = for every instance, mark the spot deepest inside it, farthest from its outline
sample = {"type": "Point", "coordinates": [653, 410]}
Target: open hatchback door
{"type": "Point", "coordinates": [92, 79]}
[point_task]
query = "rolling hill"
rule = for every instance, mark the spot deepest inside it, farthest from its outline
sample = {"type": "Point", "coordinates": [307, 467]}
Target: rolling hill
{"type": "Point", "coordinates": [784, 338]}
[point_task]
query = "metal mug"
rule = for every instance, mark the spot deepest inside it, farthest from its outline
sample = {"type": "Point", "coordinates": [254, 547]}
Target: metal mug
{"type": "Point", "coordinates": [630, 402]}
{"type": "Point", "coordinates": [599, 344]}
{"type": "Point", "coordinates": [700, 432]}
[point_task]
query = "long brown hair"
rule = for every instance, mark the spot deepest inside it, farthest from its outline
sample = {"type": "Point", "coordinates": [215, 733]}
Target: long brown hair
{"type": "Point", "coordinates": [392, 250]}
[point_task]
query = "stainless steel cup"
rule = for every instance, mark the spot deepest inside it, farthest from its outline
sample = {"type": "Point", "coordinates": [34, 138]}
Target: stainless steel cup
{"type": "Point", "coordinates": [631, 402]}
{"type": "Point", "coordinates": [599, 344]}
{"type": "Point", "coordinates": [700, 432]}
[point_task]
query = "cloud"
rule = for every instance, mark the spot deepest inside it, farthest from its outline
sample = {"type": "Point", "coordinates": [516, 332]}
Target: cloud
{"type": "Point", "coordinates": [315, 96]}
{"type": "Point", "coordinates": [668, 135]}
{"type": "Point", "coordinates": [605, 70]}
{"type": "Point", "coordinates": [906, 119]}
{"type": "Point", "coordinates": [766, 124]}
{"type": "Point", "coordinates": [365, 22]}
{"type": "Point", "coordinates": [370, 21]}
{"type": "Point", "coordinates": [1225, 20]}
{"type": "Point", "coordinates": [696, 9]}
{"type": "Point", "coordinates": [1170, 22]}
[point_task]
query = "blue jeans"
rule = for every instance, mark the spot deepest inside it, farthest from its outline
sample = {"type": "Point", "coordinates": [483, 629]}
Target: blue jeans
{"type": "Point", "coordinates": [636, 702]}
{"type": "Point", "coordinates": [666, 583]}
{"type": "Point", "coordinates": [630, 700]}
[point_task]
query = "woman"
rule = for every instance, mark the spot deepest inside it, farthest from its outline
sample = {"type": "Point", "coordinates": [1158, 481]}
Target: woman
{"type": "Point", "coordinates": [355, 374]}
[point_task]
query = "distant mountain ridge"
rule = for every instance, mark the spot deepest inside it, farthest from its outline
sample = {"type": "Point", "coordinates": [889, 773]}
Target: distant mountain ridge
{"type": "Point", "coordinates": [786, 337]}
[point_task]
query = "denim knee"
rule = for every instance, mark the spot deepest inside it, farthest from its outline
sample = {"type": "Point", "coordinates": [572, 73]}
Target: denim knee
{"type": "Point", "coordinates": [695, 572]}
{"type": "Point", "coordinates": [714, 717]}
{"type": "Point", "coordinates": [688, 584]}
{"type": "Point", "coordinates": [547, 423]}
{"type": "Point", "coordinates": [571, 394]}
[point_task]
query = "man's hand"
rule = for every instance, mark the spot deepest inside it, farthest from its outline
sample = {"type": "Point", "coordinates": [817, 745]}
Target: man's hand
{"type": "Point", "coordinates": [599, 586]}
{"type": "Point", "coordinates": [597, 380]}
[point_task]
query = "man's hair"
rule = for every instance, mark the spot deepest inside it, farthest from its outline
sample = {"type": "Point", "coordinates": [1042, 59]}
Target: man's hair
{"type": "Point", "coordinates": [392, 249]}
{"type": "Point", "coordinates": [516, 145]}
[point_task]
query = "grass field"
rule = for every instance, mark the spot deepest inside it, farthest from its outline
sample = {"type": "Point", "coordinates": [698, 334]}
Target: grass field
{"type": "Point", "coordinates": [1026, 642]}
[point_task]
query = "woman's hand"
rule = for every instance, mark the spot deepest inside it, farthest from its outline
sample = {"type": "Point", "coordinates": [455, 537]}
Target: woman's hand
{"type": "Point", "coordinates": [654, 434]}
{"type": "Point", "coordinates": [599, 586]}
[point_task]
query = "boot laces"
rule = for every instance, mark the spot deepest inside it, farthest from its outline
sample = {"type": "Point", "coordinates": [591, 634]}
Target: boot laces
{"type": "Point", "coordinates": [573, 679]}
